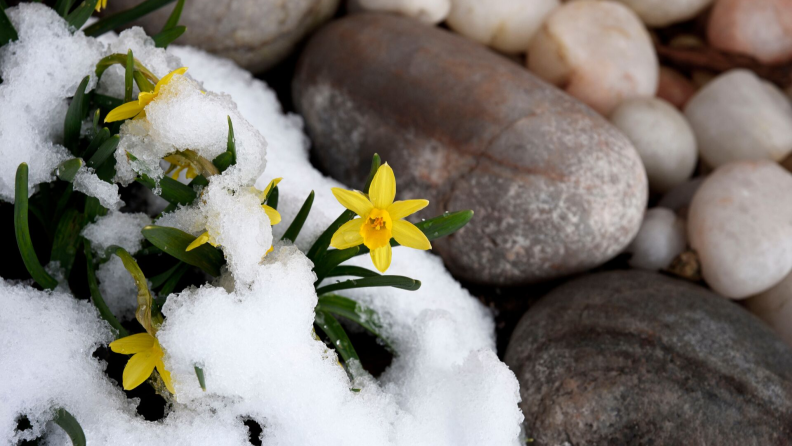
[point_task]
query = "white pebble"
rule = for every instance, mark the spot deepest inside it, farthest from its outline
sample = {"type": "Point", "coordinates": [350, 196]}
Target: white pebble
{"type": "Point", "coordinates": [758, 28]}
{"type": "Point", "coordinates": [506, 25]}
{"type": "Point", "coordinates": [660, 13]}
{"type": "Point", "coordinates": [737, 116]}
{"type": "Point", "coordinates": [426, 11]}
{"type": "Point", "coordinates": [740, 223]}
{"type": "Point", "coordinates": [774, 306]}
{"type": "Point", "coordinates": [598, 51]}
{"type": "Point", "coordinates": [660, 239]}
{"type": "Point", "coordinates": [662, 137]}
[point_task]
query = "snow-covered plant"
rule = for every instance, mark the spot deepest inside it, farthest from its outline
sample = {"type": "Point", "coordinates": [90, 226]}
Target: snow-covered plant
{"type": "Point", "coordinates": [203, 304]}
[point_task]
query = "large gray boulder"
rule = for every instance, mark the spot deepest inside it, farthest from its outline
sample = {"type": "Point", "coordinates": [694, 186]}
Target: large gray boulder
{"type": "Point", "coordinates": [638, 358]}
{"type": "Point", "coordinates": [556, 189]}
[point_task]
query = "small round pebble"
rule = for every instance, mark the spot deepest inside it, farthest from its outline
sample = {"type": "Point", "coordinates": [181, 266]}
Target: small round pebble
{"type": "Point", "coordinates": [660, 239]}
{"type": "Point", "coordinates": [774, 306]}
{"type": "Point", "coordinates": [759, 28]}
{"type": "Point", "coordinates": [505, 25]}
{"type": "Point", "coordinates": [427, 11]}
{"type": "Point", "coordinates": [658, 13]}
{"type": "Point", "coordinates": [740, 224]}
{"type": "Point", "coordinates": [662, 137]}
{"type": "Point", "coordinates": [674, 88]}
{"type": "Point", "coordinates": [598, 51]}
{"type": "Point", "coordinates": [738, 116]}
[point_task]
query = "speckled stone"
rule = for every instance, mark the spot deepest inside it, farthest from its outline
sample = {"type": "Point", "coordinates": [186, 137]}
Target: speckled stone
{"type": "Point", "coordinates": [556, 189]}
{"type": "Point", "coordinates": [638, 358]}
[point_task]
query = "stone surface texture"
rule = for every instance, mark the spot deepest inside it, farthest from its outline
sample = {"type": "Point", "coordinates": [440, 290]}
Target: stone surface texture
{"type": "Point", "coordinates": [256, 34]}
{"type": "Point", "coordinates": [638, 358]}
{"type": "Point", "coordinates": [758, 28]}
{"type": "Point", "coordinates": [556, 189]}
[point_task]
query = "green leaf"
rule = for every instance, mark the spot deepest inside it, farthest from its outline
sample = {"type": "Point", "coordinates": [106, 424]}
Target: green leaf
{"type": "Point", "coordinates": [68, 423]}
{"type": "Point", "coordinates": [319, 247]}
{"type": "Point", "coordinates": [105, 151]}
{"type": "Point", "coordinates": [296, 225]}
{"type": "Point", "coordinates": [222, 162]}
{"type": "Point", "coordinates": [93, 209]}
{"type": "Point", "coordinates": [331, 259]}
{"type": "Point", "coordinates": [65, 245]}
{"type": "Point", "coordinates": [231, 144]}
{"type": "Point", "coordinates": [99, 139]}
{"type": "Point", "coordinates": [81, 14]}
{"type": "Point", "coordinates": [159, 279]}
{"type": "Point", "coordinates": [121, 59]}
{"type": "Point", "coordinates": [122, 18]}
{"type": "Point", "coordinates": [437, 227]}
{"type": "Point", "coordinates": [349, 270]}
{"type": "Point", "coordinates": [96, 296]}
{"type": "Point", "coordinates": [63, 201]}
{"type": "Point", "coordinates": [272, 198]}
{"type": "Point", "coordinates": [171, 190]}
{"type": "Point", "coordinates": [63, 7]}
{"type": "Point", "coordinates": [174, 242]}
{"type": "Point", "coordinates": [142, 82]}
{"type": "Point", "coordinates": [7, 31]}
{"type": "Point", "coordinates": [355, 312]}
{"type": "Point", "coordinates": [173, 19]}
{"type": "Point", "coordinates": [96, 122]}
{"type": "Point", "coordinates": [3, 5]}
{"type": "Point", "coordinates": [68, 169]}
{"type": "Point", "coordinates": [22, 231]}
{"type": "Point", "coordinates": [375, 165]}
{"type": "Point", "coordinates": [201, 380]}
{"type": "Point", "coordinates": [173, 280]}
{"type": "Point", "coordinates": [106, 102]}
{"type": "Point", "coordinates": [74, 117]}
{"type": "Point", "coordinates": [166, 37]}
{"type": "Point", "coordinates": [145, 302]}
{"type": "Point", "coordinates": [128, 79]}
{"type": "Point", "coordinates": [404, 283]}
{"type": "Point", "coordinates": [338, 337]}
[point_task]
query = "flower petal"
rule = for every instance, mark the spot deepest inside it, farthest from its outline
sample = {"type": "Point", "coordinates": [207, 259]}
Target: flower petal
{"type": "Point", "coordinates": [139, 368]}
{"type": "Point", "coordinates": [348, 235]}
{"type": "Point", "coordinates": [401, 209]}
{"type": "Point", "coordinates": [269, 187]}
{"type": "Point", "coordinates": [353, 200]}
{"type": "Point", "coordinates": [133, 344]}
{"type": "Point", "coordinates": [124, 111]}
{"type": "Point", "coordinates": [274, 216]}
{"type": "Point", "coordinates": [168, 77]}
{"type": "Point", "coordinates": [383, 187]}
{"type": "Point", "coordinates": [382, 258]}
{"type": "Point", "coordinates": [410, 236]}
{"type": "Point", "coordinates": [200, 240]}
{"type": "Point", "coordinates": [166, 376]}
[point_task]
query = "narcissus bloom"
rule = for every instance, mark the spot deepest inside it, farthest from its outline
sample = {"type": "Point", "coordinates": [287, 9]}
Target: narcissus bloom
{"type": "Point", "coordinates": [147, 354]}
{"type": "Point", "coordinates": [101, 4]}
{"type": "Point", "coordinates": [380, 219]}
{"type": "Point", "coordinates": [136, 109]}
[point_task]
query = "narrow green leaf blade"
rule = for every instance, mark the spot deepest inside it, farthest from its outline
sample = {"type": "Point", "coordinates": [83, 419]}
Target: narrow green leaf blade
{"type": "Point", "coordinates": [172, 191]}
{"type": "Point", "coordinates": [201, 380]}
{"type": "Point", "coordinates": [376, 162]}
{"type": "Point", "coordinates": [331, 259]}
{"type": "Point", "coordinates": [319, 247]}
{"type": "Point", "coordinates": [68, 169]}
{"type": "Point", "coordinates": [105, 151]}
{"type": "Point", "coordinates": [272, 199]}
{"type": "Point", "coordinates": [173, 280]}
{"type": "Point", "coordinates": [22, 231]}
{"type": "Point", "coordinates": [74, 117]}
{"type": "Point", "coordinates": [65, 244]}
{"type": "Point", "coordinates": [355, 312]}
{"type": "Point", "coordinates": [99, 139]}
{"type": "Point", "coordinates": [299, 220]}
{"type": "Point", "coordinates": [81, 14]}
{"type": "Point", "coordinates": [106, 102]}
{"type": "Point", "coordinates": [122, 18]}
{"type": "Point", "coordinates": [63, 7]}
{"type": "Point", "coordinates": [166, 37]}
{"type": "Point", "coordinates": [128, 76]}
{"type": "Point", "coordinates": [174, 242]}
{"type": "Point", "coordinates": [142, 82]}
{"type": "Point", "coordinates": [350, 270]}
{"type": "Point", "coordinates": [68, 423]}
{"type": "Point", "coordinates": [96, 296]}
{"type": "Point", "coordinates": [223, 162]}
{"type": "Point", "coordinates": [7, 31]}
{"type": "Point", "coordinates": [231, 144]}
{"type": "Point", "coordinates": [338, 337]}
{"type": "Point", "coordinates": [404, 283]}
{"type": "Point", "coordinates": [173, 19]}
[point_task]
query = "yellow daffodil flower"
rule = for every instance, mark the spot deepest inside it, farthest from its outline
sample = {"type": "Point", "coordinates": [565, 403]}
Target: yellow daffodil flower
{"type": "Point", "coordinates": [147, 354]}
{"type": "Point", "coordinates": [380, 219]}
{"type": "Point", "coordinates": [101, 4]}
{"type": "Point", "coordinates": [136, 109]}
{"type": "Point", "coordinates": [178, 165]}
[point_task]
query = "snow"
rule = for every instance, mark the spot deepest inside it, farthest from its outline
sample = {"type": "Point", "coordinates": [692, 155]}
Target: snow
{"type": "Point", "coordinates": [252, 330]}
